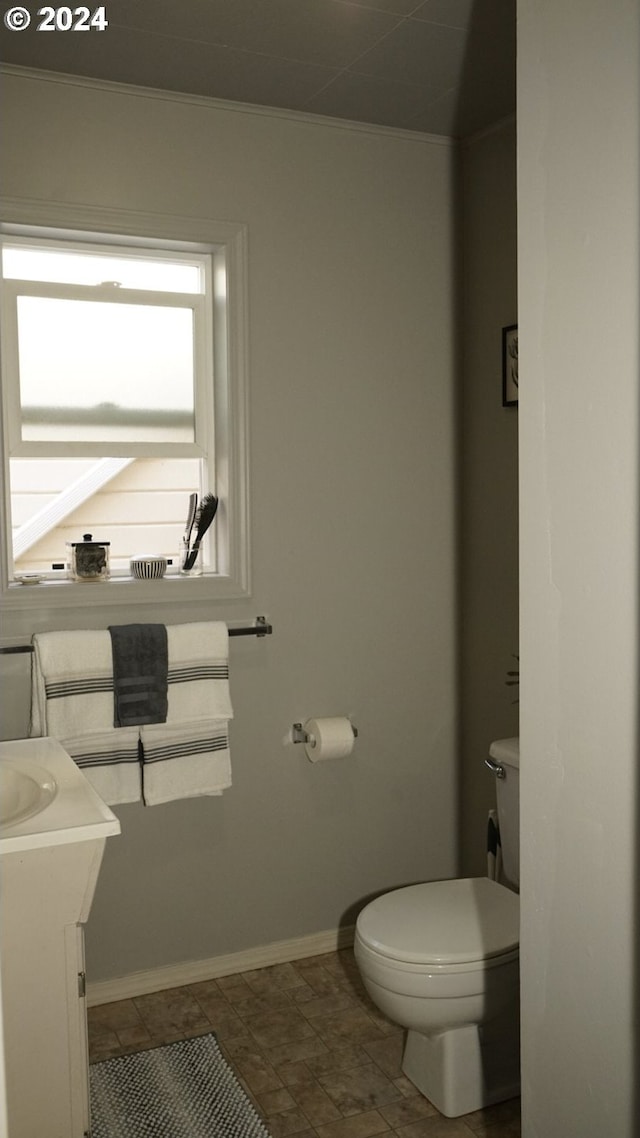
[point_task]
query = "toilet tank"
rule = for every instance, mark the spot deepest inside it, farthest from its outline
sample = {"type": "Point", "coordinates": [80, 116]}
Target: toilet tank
{"type": "Point", "coordinates": [506, 753]}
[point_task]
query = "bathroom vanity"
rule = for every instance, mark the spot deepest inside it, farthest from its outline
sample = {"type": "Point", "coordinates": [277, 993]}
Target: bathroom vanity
{"type": "Point", "coordinates": [53, 830]}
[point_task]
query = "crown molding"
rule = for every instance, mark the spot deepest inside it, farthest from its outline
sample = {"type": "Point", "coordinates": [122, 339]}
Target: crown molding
{"type": "Point", "coordinates": [208, 101]}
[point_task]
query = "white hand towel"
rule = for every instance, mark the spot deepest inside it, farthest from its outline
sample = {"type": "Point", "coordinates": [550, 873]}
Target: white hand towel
{"type": "Point", "coordinates": [185, 761]}
{"type": "Point", "coordinates": [72, 701]}
{"type": "Point", "coordinates": [111, 762]}
{"type": "Point", "coordinates": [72, 683]}
{"type": "Point", "coordinates": [188, 756]}
{"type": "Point", "coordinates": [198, 672]}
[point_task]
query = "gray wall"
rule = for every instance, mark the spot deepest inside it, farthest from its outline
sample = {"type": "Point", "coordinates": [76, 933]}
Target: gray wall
{"type": "Point", "coordinates": [579, 246]}
{"type": "Point", "coordinates": [488, 478]}
{"type": "Point", "coordinates": [351, 289]}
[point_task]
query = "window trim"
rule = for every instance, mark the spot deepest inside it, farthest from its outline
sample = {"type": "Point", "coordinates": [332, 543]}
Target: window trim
{"type": "Point", "coordinates": [226, 242]}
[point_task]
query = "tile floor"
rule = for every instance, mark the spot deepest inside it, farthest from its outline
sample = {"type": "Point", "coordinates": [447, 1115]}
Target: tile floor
{"type": "Point", "coordinates": [315, 1056]}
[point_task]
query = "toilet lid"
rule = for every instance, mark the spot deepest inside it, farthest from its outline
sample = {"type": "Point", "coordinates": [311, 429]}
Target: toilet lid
{"type": "Point", "coordinates": [443, 922]}
{"type": "Point", "coordinates": [506, 751]}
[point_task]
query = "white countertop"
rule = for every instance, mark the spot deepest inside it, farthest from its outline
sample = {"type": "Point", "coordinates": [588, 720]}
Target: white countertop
{"type": "Point", "coordinates": [76, 813]}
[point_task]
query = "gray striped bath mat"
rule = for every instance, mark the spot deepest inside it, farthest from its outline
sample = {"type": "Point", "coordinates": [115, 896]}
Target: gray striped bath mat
{"type": "Point", "coordinates": [180, 1090]}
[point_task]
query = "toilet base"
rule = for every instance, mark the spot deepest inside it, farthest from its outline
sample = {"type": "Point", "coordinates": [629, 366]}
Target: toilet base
{"type": "Point", "coordinates": [467, 1068]}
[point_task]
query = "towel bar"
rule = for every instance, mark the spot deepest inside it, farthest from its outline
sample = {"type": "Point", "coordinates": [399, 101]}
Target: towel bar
{"type": "Point", "coordinates": [260, 628]}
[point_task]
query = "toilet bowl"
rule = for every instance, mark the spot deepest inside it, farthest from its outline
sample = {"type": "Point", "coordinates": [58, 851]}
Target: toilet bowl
{"type": "Point", "coordinates": [441, 959]}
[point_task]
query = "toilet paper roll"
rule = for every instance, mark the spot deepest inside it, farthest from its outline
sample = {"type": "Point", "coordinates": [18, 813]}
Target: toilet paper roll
{"type": "Point", "coordinates": [328, 739]}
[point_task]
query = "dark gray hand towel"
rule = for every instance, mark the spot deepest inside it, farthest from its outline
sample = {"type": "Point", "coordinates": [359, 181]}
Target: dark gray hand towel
{"type": "Point", "coordinates": [140, 670]}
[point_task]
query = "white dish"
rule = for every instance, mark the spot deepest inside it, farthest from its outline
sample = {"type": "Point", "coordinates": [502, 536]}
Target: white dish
{"type": "Point", "coordinates": [29, 578]}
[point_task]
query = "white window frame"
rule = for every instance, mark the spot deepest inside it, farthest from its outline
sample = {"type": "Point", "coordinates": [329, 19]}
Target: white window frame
{"type": "Point", "coordinates": [227, 245]}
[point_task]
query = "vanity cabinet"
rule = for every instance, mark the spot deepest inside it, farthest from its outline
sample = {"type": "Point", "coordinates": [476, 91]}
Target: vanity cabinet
{"type": "Point", "coordinates": [47, 889]}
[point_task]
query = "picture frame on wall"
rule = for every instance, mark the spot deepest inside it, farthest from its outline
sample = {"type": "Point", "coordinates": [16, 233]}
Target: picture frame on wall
{"type": "Point", "coordinates": [510, 366]}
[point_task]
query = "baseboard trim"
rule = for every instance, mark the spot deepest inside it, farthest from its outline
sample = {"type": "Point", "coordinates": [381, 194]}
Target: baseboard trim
{"type": "Point", "coordinates": [194, 971]}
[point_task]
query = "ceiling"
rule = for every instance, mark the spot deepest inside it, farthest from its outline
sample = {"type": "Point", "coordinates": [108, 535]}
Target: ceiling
{"type": "Point", "coordinates": [446, 67]}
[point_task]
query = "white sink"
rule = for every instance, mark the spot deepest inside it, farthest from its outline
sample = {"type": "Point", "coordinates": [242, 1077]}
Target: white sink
{"type": "Point", "coordinates": [45, 799]}
{"type": "Point", "coordinates": [25, 790]}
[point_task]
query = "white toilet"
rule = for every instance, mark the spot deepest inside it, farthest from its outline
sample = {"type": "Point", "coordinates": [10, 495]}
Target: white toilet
{"type": "Point", "coordinates": [441, 959]}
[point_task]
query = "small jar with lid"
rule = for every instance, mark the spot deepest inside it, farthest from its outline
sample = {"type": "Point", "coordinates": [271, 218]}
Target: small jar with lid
{"type": "Point", "coordinates": [88, 560]}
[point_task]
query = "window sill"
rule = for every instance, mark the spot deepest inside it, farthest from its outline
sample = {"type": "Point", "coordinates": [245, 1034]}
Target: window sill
{"type": "Point", "coordinates": [120, 591]}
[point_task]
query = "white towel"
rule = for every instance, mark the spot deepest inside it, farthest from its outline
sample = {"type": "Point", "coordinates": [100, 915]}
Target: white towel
{"type": "Point", "coordinates": [198, 672]}
{"type": "Point", "coordinates": [188, 756]}
{"type": "Point", "coordinates": [72, 701]}
{"type": "Point", "coordinates": [187, 761]}
{"type": "Point", "coordinates": [111, 762]}
{"type": "Point", "coordinates": [72, 683]}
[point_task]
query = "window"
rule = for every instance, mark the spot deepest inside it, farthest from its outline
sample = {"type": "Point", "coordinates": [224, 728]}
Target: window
{"type": "Point", "coordinates": [123, 392]}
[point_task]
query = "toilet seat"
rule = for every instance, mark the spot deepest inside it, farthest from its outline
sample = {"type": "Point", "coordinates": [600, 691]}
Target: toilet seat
{"type": "Point", "coordinates": [442, 926]}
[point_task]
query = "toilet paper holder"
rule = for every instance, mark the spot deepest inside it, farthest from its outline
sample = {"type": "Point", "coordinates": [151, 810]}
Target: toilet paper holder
{"type": "Point", "coordinates": [299, 735]}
